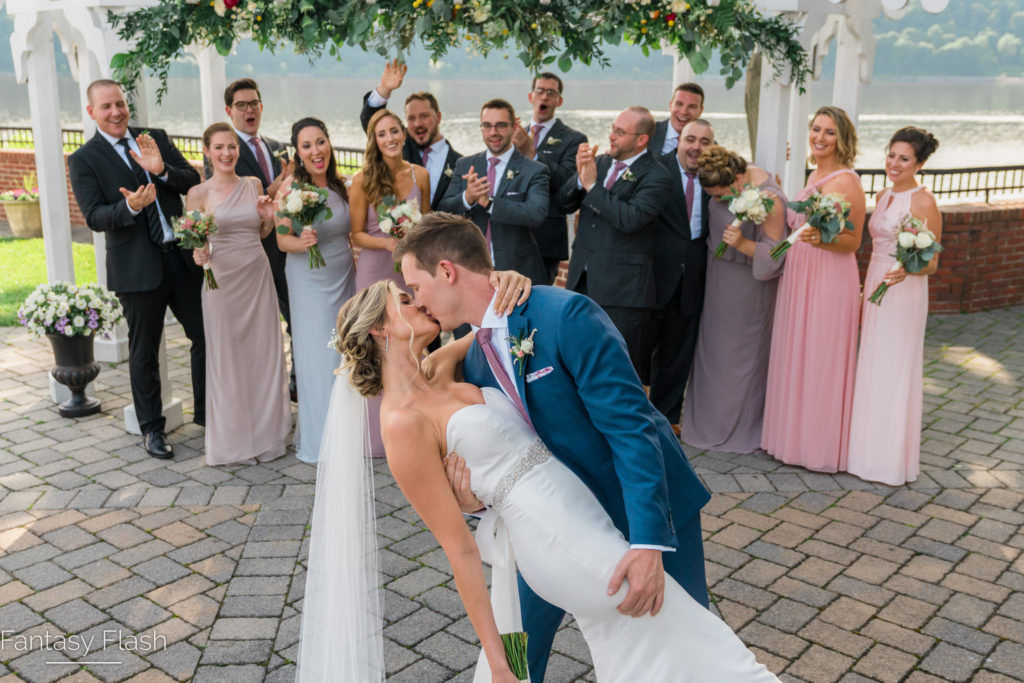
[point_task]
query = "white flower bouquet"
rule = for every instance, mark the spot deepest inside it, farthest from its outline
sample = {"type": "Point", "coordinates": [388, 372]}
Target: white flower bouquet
{"type": "Point", "coordinates": [70, 310]}
{"type": "Point", "coordinates": [747, 204]}
{"type": "Point", "coordinates": [829, 213]}
{"type": "Point", "coordinates": [395, 218]}
{"type": "Point", "coordinates": [304, 204]}
{"type": "Point", "coordinates": [915, 246]}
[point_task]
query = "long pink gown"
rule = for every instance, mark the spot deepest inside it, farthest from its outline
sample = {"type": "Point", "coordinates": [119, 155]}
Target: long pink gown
{"type": "Point", "coordinates": [814, 350]}
{"type": "Point", "coordinates": [885, 430]}
{"type": "Point", "coordinates": [375, 265]}
{"type": "Point", "coordinates": [248, 414]}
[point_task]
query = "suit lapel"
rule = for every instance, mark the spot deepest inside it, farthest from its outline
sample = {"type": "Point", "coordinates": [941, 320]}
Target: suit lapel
{"type": "Point", "coordinates": [442, 182]}
{"type": "Point", "coordinates": [519, 327]}
{"type": "Point", "coordinates": [557, 132]}
{"type": "Point", "coordinates": [247, 163]}
{"type": "Point", "coordinates": [116, 162]}
{"type": "Point", "coordinates": [513, 165]}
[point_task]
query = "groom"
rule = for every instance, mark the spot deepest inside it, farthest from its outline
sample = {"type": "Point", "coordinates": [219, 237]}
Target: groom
{"type": "Point", "coordinates": [579, 390]}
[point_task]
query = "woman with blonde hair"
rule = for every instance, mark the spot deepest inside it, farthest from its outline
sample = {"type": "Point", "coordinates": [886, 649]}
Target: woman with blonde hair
{"type": "Point", "coordinates": [725, 397]}
{"type": "Point", "coordinates": [814, 341]}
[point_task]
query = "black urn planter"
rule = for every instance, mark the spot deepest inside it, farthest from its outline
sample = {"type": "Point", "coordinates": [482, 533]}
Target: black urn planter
{"type": "Point", "coordinates": [76, 367]}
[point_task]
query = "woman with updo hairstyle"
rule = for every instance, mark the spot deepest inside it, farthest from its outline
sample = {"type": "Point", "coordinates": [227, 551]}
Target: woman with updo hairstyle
{"type": "Point", "coordinates": [814, 336]}
{"type": "Point", "coordinates": [885, 430]}
{"type": "Point", "coordinates": [384, 174]}
{"type": "Point", "coordinates": [247, 410]}
{"type": "Point", "coordinates": [725, 397]}
{"type": "Point", "coordinates": [316, 294]}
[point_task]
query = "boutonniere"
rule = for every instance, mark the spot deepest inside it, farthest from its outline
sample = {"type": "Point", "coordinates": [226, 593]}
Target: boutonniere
{"type": "Point", "coordinates": [521, 347]}
{"type": "Point", "coordinates": [448, 171]}
{"type": "Point", "coordinates": [629, 176]}
{"type": "Point", "coordinates": [511, 173]}
{"type": "Point", "coordinates": [552, 141]}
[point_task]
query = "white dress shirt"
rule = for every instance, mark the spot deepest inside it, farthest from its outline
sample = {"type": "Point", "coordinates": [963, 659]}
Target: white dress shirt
{"type": "Point", "coordinates": [436, 157]}
{"type": "Point", "coordinates": [611, 169]}
{"type": "Point", "coordinates": [247, 140]}
{"type": "Point", "coordinates": [696, 218]}
{"type": "Point", "coordinates": [671, 140]}
{"type": "Point", "coordinates": [164, 223]}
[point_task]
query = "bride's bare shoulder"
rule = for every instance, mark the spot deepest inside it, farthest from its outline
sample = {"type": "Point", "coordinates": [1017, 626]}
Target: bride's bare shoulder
{"type": "Point", "coordinates": [405, 429]}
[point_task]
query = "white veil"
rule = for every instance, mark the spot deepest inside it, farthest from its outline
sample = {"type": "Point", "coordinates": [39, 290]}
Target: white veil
{"type": "Point", "coordinates": [341, 637]}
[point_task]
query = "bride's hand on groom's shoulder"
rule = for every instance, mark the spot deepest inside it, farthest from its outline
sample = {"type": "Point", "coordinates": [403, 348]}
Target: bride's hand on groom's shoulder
{"type": "Point", "coordinates": [458, 477]}
{"type": "Point", "coordinates": [513, 290]}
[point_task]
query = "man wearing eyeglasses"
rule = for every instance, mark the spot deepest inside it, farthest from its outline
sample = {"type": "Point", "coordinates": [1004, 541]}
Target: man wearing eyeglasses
{"type": "Point", "coordinates": [260, 157]}
{"type": "Point", "coordinates": [554, 144]}
{"type": "Point", "coordinates": [503, 192]}
{"type": "Point", "coordinates": [424, 145]}
{"type": "Point", "coordinates": [618, 195]}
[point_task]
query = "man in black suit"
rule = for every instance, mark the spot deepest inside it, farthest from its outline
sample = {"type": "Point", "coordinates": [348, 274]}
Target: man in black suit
{"type": "Point", "coordinates": [686, 105]}
{"type": "Point", "coordinates": [503, 192]}
{"type": "Point", "coordinates": [680, 264]}
{"type": "Point", "coordinates": [554, 144]}
{"type": "Point", "coordinates": [128, 183]}
{"type": "Point", "coordinates": [260, 157]}
{"type": "Point", "coordinates": [618, 195]}
{"type": "Point", "coordinates": [424, 145]}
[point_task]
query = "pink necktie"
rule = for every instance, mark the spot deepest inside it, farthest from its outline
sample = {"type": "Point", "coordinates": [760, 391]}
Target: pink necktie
{"type": "Point", "coordinates": [689, 196]}
{"type": "Point", "coordinates": [492, 165]}
{"type": "Point", "coordinates": [613, 174]}
{"type": "Point", "coordinates": [537, 130]}
{"type": "Point", "coordinates": [483, 338]}
{"type": "Point", "coordinates": [261, 159]}
{"type": "Point", "coordinates": [424, 154]}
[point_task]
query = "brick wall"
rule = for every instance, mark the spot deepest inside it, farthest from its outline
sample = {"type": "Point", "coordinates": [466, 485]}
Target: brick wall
{"type": "Point", "coordinates": [982, 266]}
{"type": "Point", "coordinates": [16, 163]}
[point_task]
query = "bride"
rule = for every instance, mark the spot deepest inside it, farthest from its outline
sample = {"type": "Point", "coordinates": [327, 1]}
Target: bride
{"type": "Point", "coordinates": [541, 519]}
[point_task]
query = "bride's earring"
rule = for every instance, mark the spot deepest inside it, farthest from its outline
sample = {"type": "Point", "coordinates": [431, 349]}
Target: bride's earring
{"type": "Point", "coordinates": [387, 343]}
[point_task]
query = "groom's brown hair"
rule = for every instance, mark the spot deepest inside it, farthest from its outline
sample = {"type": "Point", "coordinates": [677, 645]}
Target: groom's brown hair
{"type": "Point", "coordinates": [441, 236]}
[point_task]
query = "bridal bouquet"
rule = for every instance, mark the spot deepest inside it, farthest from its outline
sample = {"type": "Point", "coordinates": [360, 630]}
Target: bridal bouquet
{"type": "Point", "coordinates": [829, 213]}
{"type": "Point", "coordinates": [915, 246]}
{"type": "Point", "coordinates": [70, 310]}
{"type": "Point", "coordinates": [395, 218]}
{"type": "Point", "coordinates": [304, 204]}
{"type": "Point", "coordinates": [193, 231]}
{"type": "Point", "coordinates": [515, 653]}
{"type": "Point", "coordinates": [748, 204]}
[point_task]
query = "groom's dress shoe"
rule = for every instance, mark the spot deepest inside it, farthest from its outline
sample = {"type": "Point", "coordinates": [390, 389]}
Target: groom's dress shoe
{"type": "Point", "coordinates": [157, 446]}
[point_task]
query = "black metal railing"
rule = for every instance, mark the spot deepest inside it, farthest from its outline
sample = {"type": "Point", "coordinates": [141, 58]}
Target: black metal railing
{"type": "Point", "coordinates": [349, 159]}
{"type": "Point", "coordinates": [953, 183]}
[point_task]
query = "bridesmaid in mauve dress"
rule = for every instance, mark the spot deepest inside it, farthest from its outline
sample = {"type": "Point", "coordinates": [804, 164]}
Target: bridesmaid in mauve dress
{"type": "Point", "coordinates": [315, 296]}
{"type": "Point", "coordinates": [725, 398]}
{"type": "Point", "coordinates": [248, 415]}
{"type": "Point", "coordinates": [384, 173]}
{"type": "Point", "coordinates": [814, 340]}
{"type": "Point", "coordinates": [885, 430]}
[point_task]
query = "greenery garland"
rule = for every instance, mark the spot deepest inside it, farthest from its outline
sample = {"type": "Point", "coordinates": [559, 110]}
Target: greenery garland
{"type": "Point", "coordinates": [542, 31]}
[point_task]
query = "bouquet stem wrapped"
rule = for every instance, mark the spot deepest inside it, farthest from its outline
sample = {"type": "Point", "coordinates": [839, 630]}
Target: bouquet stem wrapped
{"type": "Point", "coordinates": [829, 213]}
{"type": "Point", "coordinates": [747, 204]}
{"type": "Point", "coordinates": [915, 246]}
{"type": "Point", "coordinates": [515, 653]}
{"type": "Point", "coordinates": [193, 231]}
{"type": "Point", "coordinates": [305, 204]}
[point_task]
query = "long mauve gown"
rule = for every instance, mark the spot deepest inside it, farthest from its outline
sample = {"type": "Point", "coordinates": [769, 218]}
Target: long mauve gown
{"type": "Point", "coordinates": [885, 430]}
{"type": "Point", "coordinates": [725, 397]}
{"type": "Point", "coordinates": [375, 265]}
{"type": "Point", "coordinates": [247, 410]}
{"type": "Point", "coordinates": [813, 355]}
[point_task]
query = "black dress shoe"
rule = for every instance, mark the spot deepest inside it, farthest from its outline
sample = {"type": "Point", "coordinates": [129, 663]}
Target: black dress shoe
{"type": "Point", "coordinates": [157, 446]}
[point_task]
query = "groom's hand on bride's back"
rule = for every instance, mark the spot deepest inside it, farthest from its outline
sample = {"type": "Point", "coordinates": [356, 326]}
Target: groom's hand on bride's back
{"type": "Point", "coordinates": [458, 477]}
{"type": "Point", "coordinates": [643, 569]}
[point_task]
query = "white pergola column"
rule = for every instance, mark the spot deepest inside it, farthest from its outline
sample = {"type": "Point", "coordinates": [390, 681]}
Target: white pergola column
{"type": "Point", "coordinates": [846, 87]}
{"type": "Point", "coordinates": [772, 118]}
{"type": "Point", "coordinates": [799, 113]}
{"type": "Point", "coordinates": [212, 82]}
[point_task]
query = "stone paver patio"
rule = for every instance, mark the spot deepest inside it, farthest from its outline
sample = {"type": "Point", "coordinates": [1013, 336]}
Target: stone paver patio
{"type": "Point", "coordinates": [177, 571]}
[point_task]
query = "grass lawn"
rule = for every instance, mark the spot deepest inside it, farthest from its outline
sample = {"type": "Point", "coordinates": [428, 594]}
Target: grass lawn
{"type": "Point", "coordinates": [24, 267]}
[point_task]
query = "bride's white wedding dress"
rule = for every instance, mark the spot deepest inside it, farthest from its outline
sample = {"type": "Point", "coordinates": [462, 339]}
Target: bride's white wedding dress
{"type": "Point", "coordinates": [542, 520]}
{"type": "Point", "coordinates": [566, 548]}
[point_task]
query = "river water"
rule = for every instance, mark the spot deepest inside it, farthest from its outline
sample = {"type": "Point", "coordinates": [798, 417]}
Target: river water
{"type": "Point", "coordinates": [978, 123]}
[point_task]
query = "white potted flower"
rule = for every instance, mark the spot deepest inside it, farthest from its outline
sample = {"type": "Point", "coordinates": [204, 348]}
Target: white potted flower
{"type": "Point", "coordinates": [71, 316]}
{"type": "Point", "coordinates": [22, 208]}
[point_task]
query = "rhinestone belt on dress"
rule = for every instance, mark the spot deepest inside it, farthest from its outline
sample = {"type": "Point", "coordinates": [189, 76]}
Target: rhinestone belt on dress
{"type": "Point", "coordinates": [535, 455]}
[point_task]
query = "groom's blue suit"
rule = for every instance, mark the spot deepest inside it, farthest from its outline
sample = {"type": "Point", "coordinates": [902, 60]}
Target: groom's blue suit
{"type": "Point", "coordinates": [588, 406]}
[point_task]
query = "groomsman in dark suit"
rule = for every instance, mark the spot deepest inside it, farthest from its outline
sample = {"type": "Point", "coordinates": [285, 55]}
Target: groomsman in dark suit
{"type": "Point", "coordinates": [554, 144]}
{"type": "Point", "coordinates": [686, 105]}
{"type": "Point", "coordinates": [260, 157]}
{"type": "Point", "coordinates": [503, 193]}
{"type": "Point", "coordinates": [128, 183]}
{"type": "Point", "coordinates": [618, 195]}
{"type": "Point", "coordinates": [680, 264]}
{"type": "Point", "coordinates": [424, 145]}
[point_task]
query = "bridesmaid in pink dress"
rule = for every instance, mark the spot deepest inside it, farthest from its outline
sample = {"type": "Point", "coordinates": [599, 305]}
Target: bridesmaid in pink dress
{"type": "Point", "coordinates": [885, 430]}
{"type": "Point", "coordinates": [814, 340]}
{"type": "Point", "coordinates": [384, 173]}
